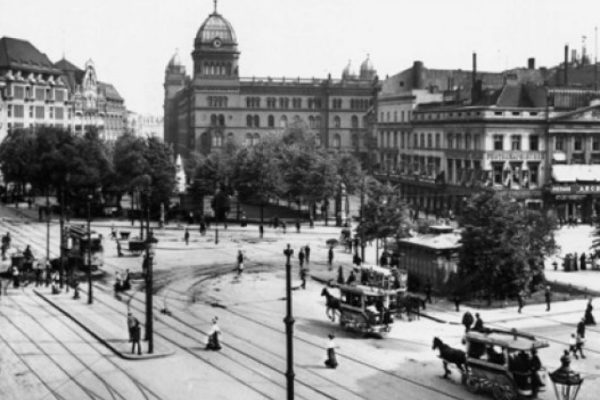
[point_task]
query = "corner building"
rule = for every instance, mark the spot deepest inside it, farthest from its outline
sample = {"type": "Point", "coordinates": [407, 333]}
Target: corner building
{"type": "Point", "coordinates": [215, 105]}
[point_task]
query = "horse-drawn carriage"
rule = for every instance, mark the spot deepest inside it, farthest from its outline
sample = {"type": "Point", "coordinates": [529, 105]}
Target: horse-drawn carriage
{"type": "Point", "coordinates": [366, 309]}
{"type": "Point", "coordinates": [504, 363]}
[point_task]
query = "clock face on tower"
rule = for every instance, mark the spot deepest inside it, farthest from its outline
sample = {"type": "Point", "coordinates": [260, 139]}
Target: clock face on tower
{"type": "Point", "coordinates": [217, 42]}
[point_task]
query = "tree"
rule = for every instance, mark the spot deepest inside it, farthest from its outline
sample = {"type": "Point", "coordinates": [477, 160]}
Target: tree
{"type": "Point", "coordinates": [385, 215]}
{"type": "Point", "coordinates": [17, 159]}
{"type": "Point", "coordinates": [257, 173]}
{"type": "Point", "coordinates": [503, 245]}
{"type": "Point", "coordinates": [159, 159]}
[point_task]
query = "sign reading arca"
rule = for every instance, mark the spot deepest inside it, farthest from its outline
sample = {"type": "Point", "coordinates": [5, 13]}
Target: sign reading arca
{"type": "Point", "coordinates": [575, 189]}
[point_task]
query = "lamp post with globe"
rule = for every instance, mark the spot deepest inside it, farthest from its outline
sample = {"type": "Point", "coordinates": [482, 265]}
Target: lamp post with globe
{"type": "Point", "coordinates": [565, 381]}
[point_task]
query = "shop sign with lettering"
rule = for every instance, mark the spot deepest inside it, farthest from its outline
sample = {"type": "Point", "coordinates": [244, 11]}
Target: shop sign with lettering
{"type": "Point", "coordinates": [515, 155]}
{"type": "Point", "coordinates": [575, 189]}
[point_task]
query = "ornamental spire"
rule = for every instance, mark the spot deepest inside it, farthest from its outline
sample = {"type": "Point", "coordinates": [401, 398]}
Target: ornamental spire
{"type": "Point", "coordinates": [215, 2]}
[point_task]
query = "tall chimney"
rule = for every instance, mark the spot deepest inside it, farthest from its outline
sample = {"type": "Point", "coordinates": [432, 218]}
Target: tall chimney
{"type": "Point", "coordinates": [531, 63]}
{"type": "Point", "coordinates": [474, 73]}
{"type": "Point", "coordinates": [566, 70]}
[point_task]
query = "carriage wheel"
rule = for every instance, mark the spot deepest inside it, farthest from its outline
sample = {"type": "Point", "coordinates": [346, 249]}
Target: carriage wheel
{"type": "Point", "coordinates": [504, 392]}
{"type": "Point", "coordinates": [472, 384]}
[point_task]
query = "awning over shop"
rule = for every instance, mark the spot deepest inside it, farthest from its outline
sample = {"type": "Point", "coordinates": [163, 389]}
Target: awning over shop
{"type": "Point", "coordinates": [576, 173]}
{"type": "Point", "coordinates": [559, 156]}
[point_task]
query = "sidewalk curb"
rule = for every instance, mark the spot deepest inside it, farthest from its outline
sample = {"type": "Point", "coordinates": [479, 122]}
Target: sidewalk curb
{"type": "Point", "coordinates": [422, 314]}
{"type": "Point", "coordinates": [103, 341]}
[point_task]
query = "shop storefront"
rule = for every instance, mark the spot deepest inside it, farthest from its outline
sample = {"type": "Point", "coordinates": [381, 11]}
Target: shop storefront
{"type": "Point", "coordinates": [575, 202]}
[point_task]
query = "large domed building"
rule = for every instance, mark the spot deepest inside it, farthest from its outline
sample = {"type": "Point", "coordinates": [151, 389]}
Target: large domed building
{"type": "Point", "coordinates": [214, 105]}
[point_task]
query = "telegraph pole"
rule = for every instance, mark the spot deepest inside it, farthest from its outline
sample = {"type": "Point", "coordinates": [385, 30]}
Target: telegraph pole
{"type": "Point", "coordinates": [289, 324]}
{"type": "Point", "coordinates": [89, 250]}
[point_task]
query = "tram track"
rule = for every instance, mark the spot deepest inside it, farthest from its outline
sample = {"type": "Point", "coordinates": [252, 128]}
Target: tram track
{"type": "Point", "coordinates": [71, 377]}
{"type": "Point", "coordinates": [341, 355]}
{"type": "Point", "coordinates": [236, 349]}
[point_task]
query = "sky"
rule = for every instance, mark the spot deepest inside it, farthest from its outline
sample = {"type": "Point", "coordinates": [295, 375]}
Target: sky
{"type": "Point", "coordinates": [131, 41]}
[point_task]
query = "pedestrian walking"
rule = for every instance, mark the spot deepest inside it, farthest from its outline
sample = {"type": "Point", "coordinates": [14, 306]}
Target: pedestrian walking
{"type": "Point", "coordinates": [331, 361]}
{"type": "Point", "coordinates": [240, 262]}
{"type": "Point", "coordinates": [588, 316]}
{"type": "Point", "coordinates": [186, 236]}
{"type": "Point", "coordinates": [213, 342]}
{"type": "Point", "coordinates": [15, 276]}
{"type": "Point", "coordinates": [75, 289]}
{"type": "Point", "coordinates": [548, 297]}
{"type": "Point", "coordinates": [283, 227]}
{"type": "Point", "coordinates": [351, 278]}
{"type": "Point", "coordinates": [307, 253]}
{"type": "Point", "coordinates": [39, 271]}
{"type": "Point", "coordinates": [467, 320]}
{"type": "Point", "coordinates": [478, 327]}
{"type": "Point", "coordinates": [131, 320]}
{"type": "Point", "coordinates": [356, 260]}
{"type": "Point", "coordinates": [330, 257]}
{"type": "Point", "coordinates": [581, 328]}
{"type": "Point", "coordinates": [261, 230]}
{"type": "Point", "coordinates": [457, 302]}
{"type": "Point", "coordinates": [340, 278]}
{"type": "Point", "coordinates": [301, 257]}
{"type": "Point", "coordinates": [303, 274]}
{"type": "Point", "coordinates": [582, 261]}
{"type": "Point", "coordinates": [135, 338]}
{"type": "Point", "coordinates": [297, 226]}
{"type": "Point", "coordinates": [575, 346]}
{"type": "Point", "coordinates": [119, 249]}
{"type": "Point", "coordinates": [428, 291]}
{"type": "Point", "coordinates": [520, 301]}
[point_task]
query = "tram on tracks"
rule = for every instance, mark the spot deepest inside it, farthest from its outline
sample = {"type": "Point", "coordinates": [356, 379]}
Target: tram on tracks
{"type": "Point", "coordinates": [504, 363]}
{"type": "Point", "coordinates": [368, 303]}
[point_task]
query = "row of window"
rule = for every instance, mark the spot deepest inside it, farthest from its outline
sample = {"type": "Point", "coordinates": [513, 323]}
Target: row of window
{"type": "Point", "coordinates": [37, 112]}
{"type": "Point", "coordinates": [217, 101]}
{"type": "Point", "coordinates": [560, 143]}
{"type": "Point", "coordinates": [216, 68]}
{"type": "Point", "coordinates": [252, 139]}
{"type": "Point", "coordinates": [515, 142]}
{"type": "Point", "coordinates": [35, 93]}
{"type": "Point", "coordinates": [462, 114]}
{"type": "Point", "coordinates": [253, 121]}
{"type": "Point", "coordinates": [386, 116]}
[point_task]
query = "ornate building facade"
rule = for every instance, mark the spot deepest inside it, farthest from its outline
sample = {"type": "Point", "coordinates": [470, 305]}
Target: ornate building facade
{"type": "Point", "coordinates": [215, 104]}
{"type": "Point", "coordinates": [35, 92]}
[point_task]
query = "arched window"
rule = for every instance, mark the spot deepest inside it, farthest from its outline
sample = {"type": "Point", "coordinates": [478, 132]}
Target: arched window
{"type": "Point", "coordinates": [249, 120]}
{"type": "Point", "coordinates": [337, 122]}
{"type": "Point", "coordinates": [221, 120]}
{"type": "Point", "coordinates": [354, 122]}
{"type": "Point", "coordinates": [213, 120]}
{"type": "Point", "coordinates": [256, 121]}
{"type": "Point", "coordinates": [283, 121]}
{"type": "Point", "coordinates": [337, 141]}
{"type": "Point", "coordinates": [271, 121]}
{"type": "Point", "coordinates": [218, 139]}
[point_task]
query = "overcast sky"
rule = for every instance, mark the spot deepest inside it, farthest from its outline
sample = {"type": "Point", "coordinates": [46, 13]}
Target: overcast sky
{"type": "Point", "coordinates": [131, 41]}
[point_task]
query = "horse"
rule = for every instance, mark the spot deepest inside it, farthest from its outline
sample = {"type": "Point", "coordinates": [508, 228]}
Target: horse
{"type": "Point", "coordinates": [411, 304]}
{"type": "Point", "coordinates": [450, 355]}
{"type": "Point", "coordinates": [332, 303]}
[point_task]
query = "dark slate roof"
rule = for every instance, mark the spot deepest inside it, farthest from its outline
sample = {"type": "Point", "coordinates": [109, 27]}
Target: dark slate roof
{"type": "Point", "coordinates": [20, 54]}
{"type": "Point", "coordinates": [72, 75]}
{"type": "Point", "coordinates": [521, 95]}
{"type": "Point", "coordinates": [66, 65]}
{"type": "Point", "coordinates": [109, 91]}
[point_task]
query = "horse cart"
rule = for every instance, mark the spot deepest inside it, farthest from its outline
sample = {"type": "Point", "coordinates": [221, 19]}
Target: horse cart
{"type": "Point", "coordinates": [504, 363]}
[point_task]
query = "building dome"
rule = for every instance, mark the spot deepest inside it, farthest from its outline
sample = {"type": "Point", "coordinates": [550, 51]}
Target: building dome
{"type": "Point", "coordinates": [367, 71]}
{"type": "Point", "coordinates": [215, 27]}
{"type": "Point", "coordinates": [347, 73]}
{"type": "Point", "coordinates": [175, 61]}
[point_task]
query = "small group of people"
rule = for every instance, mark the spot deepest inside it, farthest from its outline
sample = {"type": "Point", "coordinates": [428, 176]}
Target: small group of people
{"type": "Point", "coordinates": [472, 324]}
{"type": "Point", "coordinates": [573, 262]}
{"type": "Point", "coordinates": [122, 283]}
{"type": "Point", "coordinates": [526, 368]}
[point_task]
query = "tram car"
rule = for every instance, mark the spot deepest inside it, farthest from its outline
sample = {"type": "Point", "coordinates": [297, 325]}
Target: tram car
{"type": "Point", "coordinates": [77, 247]}
{"type": "Point", "coordinates": [366, 309]}
{"type": "Point", "coordinates": [503, 363]}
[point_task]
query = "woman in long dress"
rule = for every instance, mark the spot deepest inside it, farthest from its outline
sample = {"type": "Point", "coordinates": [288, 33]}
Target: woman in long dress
{"type": "Point", "coordinates": [589, 317]}
{"type": "Point", "coordinates": [331, 361]}
{"type": "Point", "coordinates": [213, 336]}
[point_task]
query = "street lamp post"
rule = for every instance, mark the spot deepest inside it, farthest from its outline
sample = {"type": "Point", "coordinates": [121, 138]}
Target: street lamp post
{"type": "Point", "coordinates": [149, 279]}
{"type": "Point", "coordinates": [48, 216]}
{"type": "Point", "coordinates": [89, 250]}
{"type": "Point", "coordinates": [566, 382]}
{"type": "Point", "coordinates": [289, 324]}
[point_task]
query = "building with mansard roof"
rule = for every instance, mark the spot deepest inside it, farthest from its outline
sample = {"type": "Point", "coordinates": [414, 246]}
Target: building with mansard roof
{"type": "Point", "coordinates": [214, 104]}
{"type": "Point", "coordinates": [36, 92]}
